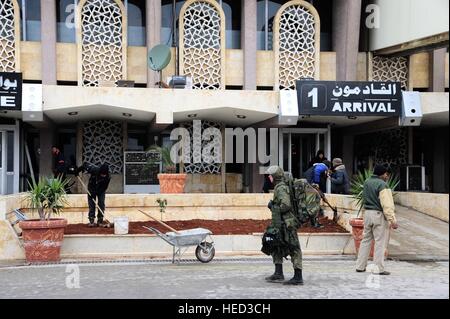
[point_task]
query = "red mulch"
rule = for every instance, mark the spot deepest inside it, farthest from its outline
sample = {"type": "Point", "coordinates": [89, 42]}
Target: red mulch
{"type": "Point", "coordinates": [220, 227]}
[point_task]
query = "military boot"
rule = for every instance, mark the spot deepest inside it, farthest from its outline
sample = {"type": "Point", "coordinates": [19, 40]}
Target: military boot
{"type": "Point", "coordinates": [297, 279]}
{"type": "Point", "coordinates": [278, 274]}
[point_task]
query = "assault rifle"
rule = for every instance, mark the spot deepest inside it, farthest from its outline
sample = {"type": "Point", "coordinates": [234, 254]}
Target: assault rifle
{"type": "Point", "coordinates": [325, 200]}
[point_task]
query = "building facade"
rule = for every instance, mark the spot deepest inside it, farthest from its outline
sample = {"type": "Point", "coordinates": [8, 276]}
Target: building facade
{"type": "Point", "coordinates": [240, 56]}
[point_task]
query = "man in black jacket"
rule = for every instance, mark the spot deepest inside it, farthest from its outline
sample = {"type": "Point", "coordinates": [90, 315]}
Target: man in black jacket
{"type": "Point", "coordinates": [98, 184]}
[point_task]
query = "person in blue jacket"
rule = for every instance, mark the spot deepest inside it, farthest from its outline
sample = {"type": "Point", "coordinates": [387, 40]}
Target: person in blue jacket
{"type": "Point", "coordinates": [321, 174]}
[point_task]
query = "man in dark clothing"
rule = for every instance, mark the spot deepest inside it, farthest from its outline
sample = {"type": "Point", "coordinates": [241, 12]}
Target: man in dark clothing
{"type": "Point", "coordinates": [320, 158]}
{"type": "Point", "coordinates": [268, 185]}
{"type": "Point", "coordinates": [98, 184]}
{"type": "Point", "coordinates": [340, 182]}
{"type": "Point", "coordinates": [60, 168]}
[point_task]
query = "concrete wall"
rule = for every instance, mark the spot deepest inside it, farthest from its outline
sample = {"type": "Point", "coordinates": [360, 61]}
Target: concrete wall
{"type": "Point", "coordinates": [411, 20]}
{"type": "Point", "coordinates": [66, 69]}
{"type": "Point", "coordinates": [210, 183]}
{"type": "Point", "coordinates": [435, 205]}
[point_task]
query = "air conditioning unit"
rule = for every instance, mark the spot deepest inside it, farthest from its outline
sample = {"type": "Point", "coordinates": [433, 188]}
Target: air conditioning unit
{"type": "Point", "coordinates": [180, 82]}
{"type": "Point", "coordinates": [412, 178]}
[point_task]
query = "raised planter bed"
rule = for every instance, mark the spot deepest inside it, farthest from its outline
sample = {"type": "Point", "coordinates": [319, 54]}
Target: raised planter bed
{"type": "Point", "coordinates": [217, 227]}
{"type": "Point", "coordinates": [231, 237]}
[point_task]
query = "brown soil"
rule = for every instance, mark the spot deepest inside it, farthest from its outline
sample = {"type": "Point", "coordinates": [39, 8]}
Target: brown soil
{"type": "Point", "coordinates": [221, 227]}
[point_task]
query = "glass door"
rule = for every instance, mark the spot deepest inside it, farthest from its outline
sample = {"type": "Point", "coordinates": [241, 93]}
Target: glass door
{"type": "Point", "coordinates": [2, 161]}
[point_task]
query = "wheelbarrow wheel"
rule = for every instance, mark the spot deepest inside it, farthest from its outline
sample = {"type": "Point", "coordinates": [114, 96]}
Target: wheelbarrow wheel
{"type": "Point", "coordinates": [205, 252]}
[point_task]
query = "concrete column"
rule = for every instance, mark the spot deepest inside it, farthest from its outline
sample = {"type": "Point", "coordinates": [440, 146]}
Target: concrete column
{"type": "Point", "coordinates": [248, 39]}
{"type": "Point", "coordinates": [257, 179]}
{"type": "Point", "coordinates": [48, 41]}
{"type": "Point", "coordinates": [346, 24]}
{"type": "Point", "coordinates": [437, 70]}
{"type": "Point", "coordinates": [153, 28]}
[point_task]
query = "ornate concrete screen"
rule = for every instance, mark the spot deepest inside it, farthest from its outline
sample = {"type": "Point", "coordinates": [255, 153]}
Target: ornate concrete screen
{"type": "Point", "coordinates": [296, 44]}
{"type": "Point", "coordinates": [391, 69]}
{"type": "Point", "coordinates": [9, 36]}
{"type": "Point", "coordinates": [102, 143]}
{"type": "Point", "coordinates": [101, 37]}
{"type": "Point", "coordinates": [202, 168]}
{"type": "Point", "coordinates": [202, 44]}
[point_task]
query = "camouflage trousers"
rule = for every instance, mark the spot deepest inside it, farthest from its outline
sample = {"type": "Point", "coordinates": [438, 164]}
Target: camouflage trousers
{"type": "Point", "coordinates": [295, 254]}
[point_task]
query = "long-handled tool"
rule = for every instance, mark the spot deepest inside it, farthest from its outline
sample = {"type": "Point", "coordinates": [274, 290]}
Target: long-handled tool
{"type": "Point", "coordinates": [157, 220]}
{"type": "Point", "coordinates": [106, 223]}
{"type": "Point", "coordinates": [325, 200]}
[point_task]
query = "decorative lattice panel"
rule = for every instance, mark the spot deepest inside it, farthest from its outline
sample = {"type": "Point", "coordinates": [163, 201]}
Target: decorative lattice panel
{"type": "Point", "coordinates": [203, 167]}
{"type": "Point", "coordinates": [393, 69]}
{"type": "Point", "coordinates": [296, 43]}
{"type": "Point", "coordinates": [202, 44]}
{"type": "Point", "coordinates": [9, 35]}
{"type": "Point", "coordinates": [390, 146]}
{"type": "Point", "coordinates": [102, 143]}
{"type": "Point", "coordinates": [103, 42]}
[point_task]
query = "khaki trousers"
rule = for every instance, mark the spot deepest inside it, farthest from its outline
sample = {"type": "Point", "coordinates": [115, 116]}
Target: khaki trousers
{"type": "Point", "coordinates": [376, 227]}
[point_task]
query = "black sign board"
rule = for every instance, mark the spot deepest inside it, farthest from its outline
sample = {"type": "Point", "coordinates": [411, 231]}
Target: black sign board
{"type": "Point", "coordinates": [10, 91]}
{"type": "Point", "coordinates": [331, 98]}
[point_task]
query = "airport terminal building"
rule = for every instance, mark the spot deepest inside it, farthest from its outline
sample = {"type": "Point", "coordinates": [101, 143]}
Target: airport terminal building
{"type": "Point", "coordinates": [74, 73]}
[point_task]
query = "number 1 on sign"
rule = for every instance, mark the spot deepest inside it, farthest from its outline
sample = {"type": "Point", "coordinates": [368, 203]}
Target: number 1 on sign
{"type": "Point", "coordinates": [314, 95]}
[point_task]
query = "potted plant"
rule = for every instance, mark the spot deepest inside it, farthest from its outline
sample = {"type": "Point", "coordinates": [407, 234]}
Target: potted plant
{"type": "Point", "coordinates": [43, 237]}
{"type": "Point", "coordinates": [169, 181]}
{"type": "Point", "coordinates": [356, 190]}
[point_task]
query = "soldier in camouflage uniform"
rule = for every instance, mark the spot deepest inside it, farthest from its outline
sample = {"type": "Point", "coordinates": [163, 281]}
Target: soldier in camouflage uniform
{"type": "Point", "coordinates": [284, 220]}
{"type": "Point", "coordinates": [312, 204]}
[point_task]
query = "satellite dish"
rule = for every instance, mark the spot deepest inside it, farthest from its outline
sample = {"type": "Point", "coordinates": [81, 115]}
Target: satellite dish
{"type": "Point", "coordinates": [159, 57]}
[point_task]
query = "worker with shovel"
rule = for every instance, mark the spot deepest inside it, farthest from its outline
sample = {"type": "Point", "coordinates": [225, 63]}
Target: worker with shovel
{"type": "Point", "coordinates": [97, 186]}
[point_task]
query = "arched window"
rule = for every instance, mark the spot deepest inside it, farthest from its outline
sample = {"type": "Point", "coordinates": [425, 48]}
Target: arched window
{"type": "Point", "coordinates": [101, 33]}
{"type": "Point", "coordinates": [296, 44]}
{"type": "Point", "coordinates": [202, 44]}
{"type": "Point", "coordinates": [9, 36]}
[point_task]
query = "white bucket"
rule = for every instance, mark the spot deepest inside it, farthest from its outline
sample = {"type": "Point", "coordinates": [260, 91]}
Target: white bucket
{"type": "Point", "coordinates": [121, 225]}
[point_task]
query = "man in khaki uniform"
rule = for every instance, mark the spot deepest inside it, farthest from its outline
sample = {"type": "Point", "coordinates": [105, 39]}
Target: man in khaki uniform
{"type": "Point", "coordinates": [379, 216]}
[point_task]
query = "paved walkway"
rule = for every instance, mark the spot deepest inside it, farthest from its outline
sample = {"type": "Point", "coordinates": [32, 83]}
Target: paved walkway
{"type": "Point", "coordinates": [324, 278]}
{"type": "Point", "coordinates": [419, 236]}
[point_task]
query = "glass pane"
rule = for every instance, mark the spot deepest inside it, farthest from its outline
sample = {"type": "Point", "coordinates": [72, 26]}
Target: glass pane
{"type": "Point", "coordinates": [286, 152]}
{"type": "Point", "coordinates": [261, 25]}
{"type": "Point", "coordinates": [232, 9]}
{"type": "Point", "coordinates": [167, 20]}
{"type": "Point", "coordinates": [273, 7]}
{"type": "Point", "coordinates": [136, 23]}
{"type": "Point", "coordinates": [1, 151]}
{"type": "Point", "coordinates": [33, 20]}
{"type": "Point", "coordinates": [65, 19]}
{"type": "Point", "coordinates": [10, 151]}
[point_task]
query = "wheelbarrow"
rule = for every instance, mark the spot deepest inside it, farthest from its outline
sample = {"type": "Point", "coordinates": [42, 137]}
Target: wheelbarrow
{"type": "Point", "coordinates": [181, 240]}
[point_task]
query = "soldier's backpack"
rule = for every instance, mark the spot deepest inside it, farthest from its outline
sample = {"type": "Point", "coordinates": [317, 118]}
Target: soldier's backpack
{"type": "Point", "coordinates": [305, 199]}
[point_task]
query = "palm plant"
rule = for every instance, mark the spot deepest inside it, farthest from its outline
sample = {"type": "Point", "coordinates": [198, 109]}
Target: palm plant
{"type": "Point", "coordinates": [168, 166]}
{"type": "Point", "coordinates": [47, 196]}
{"type": "Point", "coordinates": [357, 186]}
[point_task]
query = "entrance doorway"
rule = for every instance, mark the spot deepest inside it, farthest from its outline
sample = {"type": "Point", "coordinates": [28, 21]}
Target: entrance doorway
{"type": "Point", "coordinates": [299, 146]}
{"type": "Point", "coordinates": [9, 160]}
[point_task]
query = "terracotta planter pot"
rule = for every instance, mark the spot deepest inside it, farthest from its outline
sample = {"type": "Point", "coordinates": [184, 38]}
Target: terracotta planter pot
{"type": "Point", "coordinates": [172, 183]}
{"type": "Point", "coordinates": [43, 239]}
{"type": "Point", "coordinates": [358, 231]}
